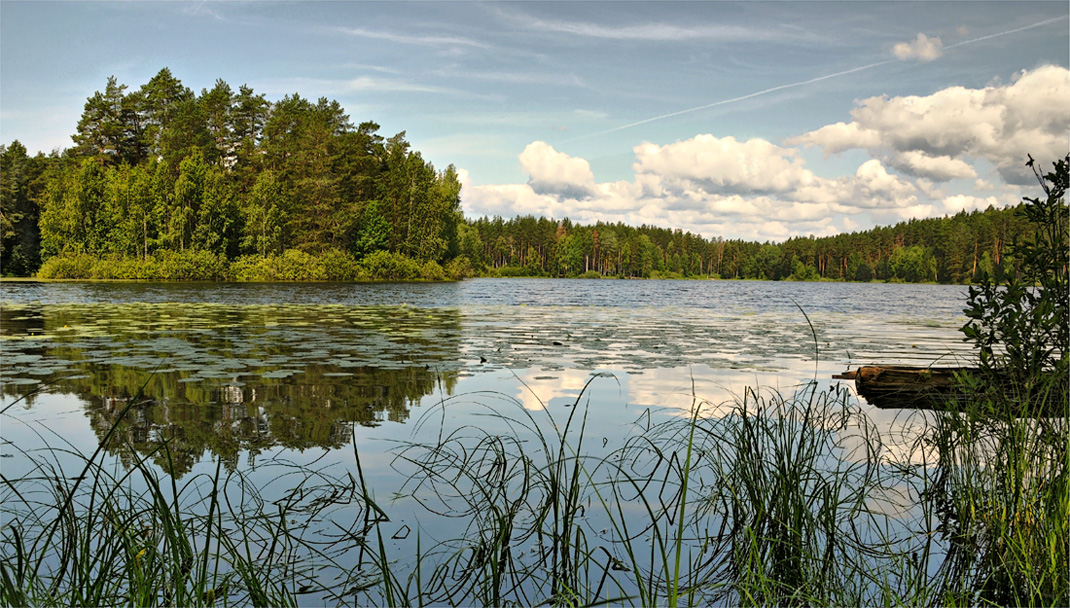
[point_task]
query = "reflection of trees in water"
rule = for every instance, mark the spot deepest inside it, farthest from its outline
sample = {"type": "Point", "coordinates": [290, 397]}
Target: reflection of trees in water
{"type": "Point", "coordinates": [231, 378]}
{"type": "Point", "coordinates": [22, 320]}
{"type": "Point", "coordinates": [301, 412]}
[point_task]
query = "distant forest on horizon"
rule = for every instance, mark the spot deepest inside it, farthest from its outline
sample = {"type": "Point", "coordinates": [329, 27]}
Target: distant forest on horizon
{"type": "Point", "coordinates": [232, 178]}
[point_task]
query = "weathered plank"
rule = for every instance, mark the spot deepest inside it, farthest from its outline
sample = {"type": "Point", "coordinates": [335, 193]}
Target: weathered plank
{"type": "Point", "coordinates": [897, 386]}
{"type": "Point", "coordinates": [931, 388]}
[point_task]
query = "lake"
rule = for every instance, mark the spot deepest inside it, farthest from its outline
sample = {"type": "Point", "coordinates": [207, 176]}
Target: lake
{"type": "Point", "coordinates": [269, 381]}
{"type": "Point", "coordinates": [296, 365]}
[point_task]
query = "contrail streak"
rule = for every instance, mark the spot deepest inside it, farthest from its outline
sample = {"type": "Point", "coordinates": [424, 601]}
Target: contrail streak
{"type": "Point", "coordinates": [1014, 31]}
{"type": "Point", "coordinates": [740, 98]}
{"type": "Point", "coordinates": [803, 82]}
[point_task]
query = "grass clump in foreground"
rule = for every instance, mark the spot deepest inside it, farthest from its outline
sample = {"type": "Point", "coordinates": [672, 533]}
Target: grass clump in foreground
{"type": "Point", "coordinates": [77, 532]}
{"type": "Point", "coordinates": [768, 500]}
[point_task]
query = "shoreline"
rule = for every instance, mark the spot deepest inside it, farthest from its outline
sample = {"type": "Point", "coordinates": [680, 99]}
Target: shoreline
{"type": "Point", "coordinates": [7, 279]}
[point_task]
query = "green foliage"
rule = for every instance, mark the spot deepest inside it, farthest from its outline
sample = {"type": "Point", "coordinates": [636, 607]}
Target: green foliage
{"type": "Point", "coordinates": [953, 249]}
{"type": "Point", "coordinates": [458, 268]}
{"type": "Point", "coordinates": [164, 169]}
{"type": "Point", "coordinates": [291, 265]}
{"type": "Point", "coordinates": [471, 245]}
{"type": "Point", "coordinates": [263, 214]}
{"type": "Point", "coordinates": [858, 269]}
{"type": "Point", "coordinates": [914, 264]}
{"type": "Point", "coordinates": [68, 265]}
{"type": "Point", "coordinates": [103, 130]}
{"type": "Point", "coordinates": [802, 272]}
{"type": "Point", "coordinates": [295, 265]}
{"type": "Point", "coordinates": [387, 266]}
{"type": "Point", "coordinates": [338, 265]}
{"type": "Point", "coordinates": [1021, 329]}
{"type": "Point", "coordinates": [22, 187]}
{"type": "Point", "coordinates": [432, 271]}
{"type": "Point", "coordinates": [189, 265]}
{"type": "Point", "coordinates": [1001, 488]}
{"type": "Point", "coordinates": [374, 233]}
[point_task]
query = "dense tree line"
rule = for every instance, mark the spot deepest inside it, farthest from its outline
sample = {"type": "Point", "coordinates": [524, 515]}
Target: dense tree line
{"type": "Point", "coordinates": [955, 249]}
{"type": "Point", "coordinates": [162, 169]}
{"type": "Point", "coordinates": [162, 181]}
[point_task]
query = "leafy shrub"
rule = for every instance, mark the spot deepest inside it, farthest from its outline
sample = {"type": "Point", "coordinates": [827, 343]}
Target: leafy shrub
{"type": "Point", "coordinates": [458, 268]}
{"type": "Point", "coordinates": [251, 268]}
{"type": "Point", "coordinates": [191, 265]}
{"type": "Point", "coordinates": [432, 271]}
{"type": "Point", "coordinates": [389, 266]}
{"type": "Point", "coordinates": [296, 265]}
{"type": "Point", "coordinates": [1001, 487]}
{"type": "Point", "coordinates": [67, 266]}
{"type": "Point", "coordinates": [195, 265]}
{"type": "Point", "coordinates": [1020, 328]}
{"type": "Point", "coordinates": [292, 265]}
{"type": "Point", "coordinates": [338, 265]}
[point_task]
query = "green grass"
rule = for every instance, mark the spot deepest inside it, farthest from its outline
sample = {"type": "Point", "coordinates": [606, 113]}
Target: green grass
{"type": "Point", "coordinates": [1002, 495]}
{"type": "Point", "coordinates": [100, 536]}
{"type": "Point", "coordinates": [769, 499]}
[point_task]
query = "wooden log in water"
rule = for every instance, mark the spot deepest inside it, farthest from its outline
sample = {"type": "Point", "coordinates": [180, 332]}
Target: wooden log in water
{"type": "Point", "coordinates": [931, 388]}
{"type": "Point", "coordinates": [899, 386]}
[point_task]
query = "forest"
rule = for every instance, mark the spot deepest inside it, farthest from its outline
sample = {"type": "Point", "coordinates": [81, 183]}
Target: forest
{"type": "Point", "coordinates": [956, 249]}
{"type": "Point", "coordinates": [164, 183]}
{"type": "Point", "coordinates": [162, 180]}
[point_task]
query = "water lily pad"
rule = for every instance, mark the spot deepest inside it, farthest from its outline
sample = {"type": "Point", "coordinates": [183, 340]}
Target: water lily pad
{"type": "Point", "coordinates": [23, 358]}
{"type": "Point", "coordinates": [21, 381]}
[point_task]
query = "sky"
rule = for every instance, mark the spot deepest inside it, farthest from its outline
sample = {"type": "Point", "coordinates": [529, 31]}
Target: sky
{"type": "Point", "coordinates": [755, 120]}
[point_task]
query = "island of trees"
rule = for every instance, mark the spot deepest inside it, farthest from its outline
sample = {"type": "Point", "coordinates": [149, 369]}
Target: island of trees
{"type": "Point", "coordinates": [163, 183]}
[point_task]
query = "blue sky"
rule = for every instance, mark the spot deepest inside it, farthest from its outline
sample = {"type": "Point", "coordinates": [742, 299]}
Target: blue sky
{"type": "Point", "coordinates": [758, 120]}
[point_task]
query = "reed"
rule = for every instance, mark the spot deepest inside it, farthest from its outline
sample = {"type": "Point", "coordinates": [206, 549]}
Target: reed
{"type": "Point", "coordinates": [111, 535]}
{"type": "Point", "coordinates": [1001, 495]}
{"type": "Point", "coordinates": [786, 499]}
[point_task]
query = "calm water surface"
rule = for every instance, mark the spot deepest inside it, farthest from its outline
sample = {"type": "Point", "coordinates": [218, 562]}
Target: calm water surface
{"type": "Point", "coordinates": [242, 368]}
{"type": "Point", "coordinates": [258, 374]}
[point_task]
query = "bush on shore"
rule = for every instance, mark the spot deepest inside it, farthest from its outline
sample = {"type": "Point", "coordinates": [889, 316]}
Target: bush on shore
{"type": "Point", "coordinates": [163, 265]}
{"type": "Point", "coordinates": [291, 265]}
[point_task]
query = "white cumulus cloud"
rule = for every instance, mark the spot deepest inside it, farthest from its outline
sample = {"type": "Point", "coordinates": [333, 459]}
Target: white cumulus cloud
{"type": "Point", "coordinates": [713, 186]}
{"type": "Point", "coordinates": [838, 137]}
{"type": "Point", "coordinates": [921, 48]}
{"type": "Point", "coordinates": [757, 189]}
{"type": "Point", "coordinates": [554, 172]}
{"type": "Point", "coordinates": [936, 168]}
{"type": "Point", "coordinates": [966, 202]}
{"type": "Point", "coordinates": [723, 165]}
{"type": "Point", "coordinates": [926, 135]}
